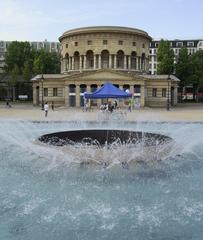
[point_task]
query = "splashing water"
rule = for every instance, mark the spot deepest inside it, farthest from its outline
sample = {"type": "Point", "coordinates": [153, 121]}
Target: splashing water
{"type": "Point", "coordinates": [45, 193]}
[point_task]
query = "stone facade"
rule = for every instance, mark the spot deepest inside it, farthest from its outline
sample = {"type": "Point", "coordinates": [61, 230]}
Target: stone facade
{"type": "Point", "coordinates": [91, 56]}
{"type": "Point", "coordinates": [93, 48]}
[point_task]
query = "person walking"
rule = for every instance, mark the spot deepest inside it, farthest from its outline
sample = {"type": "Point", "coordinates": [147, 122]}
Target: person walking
{"type": "Point", "coordinates": [52, 106]}
{"type": "Point", "coordinates": [46, 109]}
{"type": "Point", "coordinates": [8, 104]}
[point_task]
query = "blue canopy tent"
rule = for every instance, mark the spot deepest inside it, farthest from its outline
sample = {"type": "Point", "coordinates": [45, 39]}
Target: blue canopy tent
{"type": "Point", "coordinates": [108, 90]}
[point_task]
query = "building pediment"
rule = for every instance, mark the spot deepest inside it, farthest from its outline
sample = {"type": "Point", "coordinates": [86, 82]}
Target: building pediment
{"type": "Point", "coordinates": [104, 75]}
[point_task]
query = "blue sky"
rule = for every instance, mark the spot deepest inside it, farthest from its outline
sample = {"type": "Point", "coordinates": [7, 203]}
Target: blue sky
{"type": "Point", "coordinates": [48, 19]}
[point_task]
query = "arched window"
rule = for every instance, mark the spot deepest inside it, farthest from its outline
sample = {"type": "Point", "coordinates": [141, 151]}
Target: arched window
{"type": "Point", "coordinates": [105, 59]}
{"type": "Point", "coordinates": [120, 59]}
{"type": "Point", "coordinates": [76, 60]}
{"type": "Point", "coordinates": [90, 59]}
{"type": "Point", "coordinates": [133, 60]}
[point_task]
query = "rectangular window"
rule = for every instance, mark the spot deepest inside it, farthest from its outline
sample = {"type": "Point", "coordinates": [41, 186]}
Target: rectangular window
{"type": "Point", "coordinates": [120, 42]}
{"type": "Point", "coordinates": [66, 45]}
{"type": "Point", "coordinates": [105, 42]}
{"type": "Point", "coordinates": [55, 92]}
{"type": "Point", "coordinates": [76, 43]}
{"type": "Point", "coordinates": [179, 44]}
{"type": "Point", "coordinates": [134, 44]}
{"type": "Point", "coordinates": [163, 92]}
{"type": "Point", "coordinates": [89, 42]}
{"type": "Point", "coordinates": [190, 44]}
{"type": "Point", "coordinates": [45, 92]}
{"type": "Point", "coordinates": [154, 92]}
{"type": "Point", "coordinates": [143, 45]}
{"type": "Point", "coordinates": [154, 65]}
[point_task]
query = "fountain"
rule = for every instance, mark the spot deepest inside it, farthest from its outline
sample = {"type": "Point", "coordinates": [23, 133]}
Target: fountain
{"type": "Point", "coordinates": [47, 193]}
{"type": "Point", "coordinates": [138, 146]}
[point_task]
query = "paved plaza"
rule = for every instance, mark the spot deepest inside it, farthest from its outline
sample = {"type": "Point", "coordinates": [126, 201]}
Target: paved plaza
{"type": "Point", "coordinates": [184, 112]}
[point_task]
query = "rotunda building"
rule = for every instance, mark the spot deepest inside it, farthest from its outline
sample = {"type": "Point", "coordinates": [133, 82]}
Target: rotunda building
{"type": "Point", "coordinates": [91, 56]}
{"type": "Point", "coordinates": [118, 48]}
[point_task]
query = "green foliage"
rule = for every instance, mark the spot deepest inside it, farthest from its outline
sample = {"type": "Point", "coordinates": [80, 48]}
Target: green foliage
{"type": "Point", "coordinates": [22, 62]}
{"type": "Point", "coordinates": [197, 68]}
{"type": "Point", "coordinates": [27, 73]}
{"type": "Point", "coordinates": [46, 62]}
{"type": "Point", "coordinates": [184, 67]}
{"type": "Point", "coordinates": [30, 61]}
{"type": "Point", "coordinates": [165, 57]}
{"type": "Point", "coordinates": [17, 54]}
{"type": "Point", "coordinates": [14, 75]}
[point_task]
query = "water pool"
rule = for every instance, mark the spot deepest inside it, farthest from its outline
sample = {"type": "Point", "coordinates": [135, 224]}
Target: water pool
{"type": "Point", "coordinates": [46, 194]}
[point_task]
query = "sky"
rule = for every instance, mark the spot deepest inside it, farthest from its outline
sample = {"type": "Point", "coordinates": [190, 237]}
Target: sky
{"type": "Point", "coordinates": [37, 20]}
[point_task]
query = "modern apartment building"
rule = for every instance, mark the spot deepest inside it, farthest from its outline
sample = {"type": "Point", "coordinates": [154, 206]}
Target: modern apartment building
{"type": "Point", "coordinates": [49, 46]}
{"type": "Point", "coordinates": [176, 45]}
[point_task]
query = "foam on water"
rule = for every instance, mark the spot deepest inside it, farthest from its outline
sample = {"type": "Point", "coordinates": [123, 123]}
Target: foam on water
{"type": "Point", "coordinates": [43, 196]}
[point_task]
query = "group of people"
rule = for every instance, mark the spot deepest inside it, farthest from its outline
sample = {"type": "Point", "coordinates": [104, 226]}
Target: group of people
{"type": "Point", "coordinates": [109, 107]}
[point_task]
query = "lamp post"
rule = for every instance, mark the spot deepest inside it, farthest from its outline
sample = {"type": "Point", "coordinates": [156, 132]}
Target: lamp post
{"type": "Point", "coordinates": [168, 95]}
{"type": "Point", "coordinates": [42, 102]}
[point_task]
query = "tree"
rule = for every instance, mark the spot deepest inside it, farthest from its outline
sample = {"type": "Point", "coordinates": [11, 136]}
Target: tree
{"type": "Point", "coordinates": [183, 69]}
{"type": "Point", "coordinates": [14, 76]}
{"type": "Point", "coordinates": [38, 66]}
{"type": "Point", "coordinates": [27, 73]}
{"type": "Point", "coordinates": [17, 54]}
{"type": "Point", "coordinates": [46, 62]}
{"type": "Point", "coordinates": [196, 77]}
{"type": "Point", "coordinates": [165, 57]}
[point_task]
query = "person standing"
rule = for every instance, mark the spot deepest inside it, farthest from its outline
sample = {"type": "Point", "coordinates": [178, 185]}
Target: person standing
{"type": "Point", "coordinates": [46, 109]}
{"type": "Point", "coordinates": [52, 106]}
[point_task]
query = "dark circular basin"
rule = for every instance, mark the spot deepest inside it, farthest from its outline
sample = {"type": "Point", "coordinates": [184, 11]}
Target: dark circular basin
{"type": "Point", "coordinates": [104, 137]}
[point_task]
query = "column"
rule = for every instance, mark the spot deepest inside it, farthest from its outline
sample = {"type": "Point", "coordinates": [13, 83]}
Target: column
{"type": "Point", "coordinates": [110, 61]}
{"type": "Point", "coordinates": [95, 61]}
{"type": "Point", "coordinates": [70, 64]}
{"type": "Point", "coordinates": [99, 61]}
{"type": "Point", "coordinates": [77, 95]}
{"type": "Point", "coordinates": [34, 95]}
{"type": "Point", "coordinates": [66, 96]}
{"type": "Point", "coordinates": [88, 88]}
{"type": "Point", "coordinates": [143, 68]}
{"type": "Point", "coordinates": [65, 64]}
{"type": "Point", "coordinates": [129, 62]}
{"type": "Point", "coordinates": [85, 60]}
{"type": "Point", "coordinates": [147, 65]}
{"type": "Point", "coordinates": [80, 63]}
{"type": "Point", "coordinates": [62, 66]}
{"type": "Point", "coordinates": [115, 61]}
{"type": "Point", "coordinates": [142, 98]}
{"type": "Point", "coordinates": [132, 90]}
{"type": "Point", "coordinates": [137, 63]}
{"type": "Point", "coordinates": [73, 63]}
{"type": "Point", "coordinates": [175, 95]}
{"type": "Point", "coordinates": [125, 62]}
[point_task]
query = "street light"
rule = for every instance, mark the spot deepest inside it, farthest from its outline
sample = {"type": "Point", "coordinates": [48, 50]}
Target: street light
{"type": "Point", "coordinates": [42, 102]}
{"type": "Point", "coordinates": [168, 95]}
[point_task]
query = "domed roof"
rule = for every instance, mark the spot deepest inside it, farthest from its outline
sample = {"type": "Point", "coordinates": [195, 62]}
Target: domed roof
{"type": "Point", "coordinates": [106, 29]}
